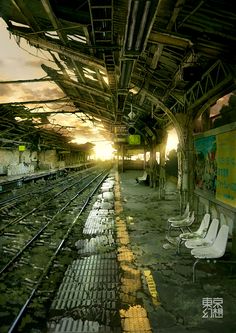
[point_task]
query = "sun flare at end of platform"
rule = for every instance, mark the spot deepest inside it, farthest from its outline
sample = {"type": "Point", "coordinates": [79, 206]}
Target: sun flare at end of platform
{"type": "Point", "coordinates": [104, 150]}
{"type": "Point", "coordinates": [172, 141]}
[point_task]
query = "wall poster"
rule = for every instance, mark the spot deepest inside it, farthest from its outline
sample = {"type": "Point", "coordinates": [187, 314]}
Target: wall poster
{"type": "Point", "coordinates": [226, 168]}
{"type": "Point", "coordinates": [205, 163]}
{"type": "Point", "coordinates": [215, 166]}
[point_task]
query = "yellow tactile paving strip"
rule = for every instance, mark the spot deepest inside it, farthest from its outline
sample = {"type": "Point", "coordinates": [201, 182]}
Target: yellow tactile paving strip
{"type": "Point", "coordinates": [125, 254]}
{"type": "Point", "coordinates": [122, 234]}
{"type": "Point", "coordinates": [152, 287]}
{"type": "Point", "coordinates": [130, 272]}
{"type": "Point", "coordinates": [130, 285]}
{"type": "Point", "coordinates": [135, 318]}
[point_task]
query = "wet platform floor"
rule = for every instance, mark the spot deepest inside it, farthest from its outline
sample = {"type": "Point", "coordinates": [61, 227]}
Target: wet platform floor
{"type": "Point", "coordinates": [182, 302]}
{"type": "Point", "coordinates": [128, 278]}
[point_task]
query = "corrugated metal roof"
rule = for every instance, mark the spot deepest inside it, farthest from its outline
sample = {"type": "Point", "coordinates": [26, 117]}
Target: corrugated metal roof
{"type": "Point", "coordinates": [126, 45]}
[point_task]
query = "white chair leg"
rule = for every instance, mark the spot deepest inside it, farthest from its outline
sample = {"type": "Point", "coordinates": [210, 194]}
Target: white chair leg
{"type": "Point", "coordinates": [194, 265]}
{"type": "Point", "coordinates": [180, 242]}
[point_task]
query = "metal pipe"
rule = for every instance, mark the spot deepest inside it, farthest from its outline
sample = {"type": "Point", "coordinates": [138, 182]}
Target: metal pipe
{"type": "Point", "coordinates": [142, 25]}
{"type": "Point", "coordinates": [25, 81]}
{"type": "Point", "coordinates": [194, 266]}
{"type": "Point", "coordinates": [128, 71]}
{"type": "Point", "coordinates": [132, 25]}
{"type": "Point", "coordinates": [123, 70]}
{"type": "Point", "coordinates": [127, 23]}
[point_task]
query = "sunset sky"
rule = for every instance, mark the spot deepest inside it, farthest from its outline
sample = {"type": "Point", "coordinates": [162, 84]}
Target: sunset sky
{"type": "Point", "coordinates": [16, 64]}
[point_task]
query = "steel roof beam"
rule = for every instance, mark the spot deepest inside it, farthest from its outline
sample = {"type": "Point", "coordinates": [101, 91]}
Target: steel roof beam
{"type": "Point", "coordinates": [47, 45]}
{"type": "Point", "coordinates": [62, 35]}
{"type": "Point", "coordinates": [157, 37]}
{"type": "Point", "coordinates": [58, 77]}
{"type": "Point", "coordinates": [26, 14]}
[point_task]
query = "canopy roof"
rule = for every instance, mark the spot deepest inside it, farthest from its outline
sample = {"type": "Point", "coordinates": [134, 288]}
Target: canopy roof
{"type": "Point", "coordinates": [133, 63]}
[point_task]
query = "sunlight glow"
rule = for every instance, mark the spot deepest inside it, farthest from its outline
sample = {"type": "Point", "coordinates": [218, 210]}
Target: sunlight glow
{"type": "Point", "coordinates": [105, 78]}
{"type": "Point", "coordinates": [95, 130]}
{"type": "Point", "coordinates": [172, 141]}
{"type": "Point", "coordinates": [86, 69]}
{"type": "Point", "coordinates": [52, 34]}
{"type": "Point", "coordinates": [90, 77]}
{"type": "Point", "coordinates": [104, 150]}
{"type": "Point", "coordinates": [19, 24]}
{"type": "Point", "coordinates": [77, 38]}
{"type": "Point", "coordinates": [134, 90]}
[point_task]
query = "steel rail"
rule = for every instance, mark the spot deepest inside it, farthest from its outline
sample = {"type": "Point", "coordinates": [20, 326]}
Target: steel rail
{"type": "Point", "coordinates": [61, 181]}
{"type": "Point", "coordinates": [14, 198]}
{"type": "Point", "coordinates": [41, 205]}
{"type": "Point", "coordinates": [24, 307]}
{"type": "Point", "coordinates": [39, 232]}
{"type": "Point", "coordinates": [3, 203]}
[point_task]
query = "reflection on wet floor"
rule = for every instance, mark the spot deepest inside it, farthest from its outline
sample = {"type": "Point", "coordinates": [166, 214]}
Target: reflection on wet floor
{"type": "Point", "coordinates": [99, 292]}
{"type": "Point", "coordinates": [87, 300]}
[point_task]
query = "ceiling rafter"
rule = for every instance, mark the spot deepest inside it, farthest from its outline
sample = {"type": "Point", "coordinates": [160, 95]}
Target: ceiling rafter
{"type": "Point", "coordinates": [26, 14]}
{"type": "Point", "coordinates": [51, 45]}
{"type": "Point", "coordinates": [45, 101]}
{"type": "Point", "coordinates": [62, 35]}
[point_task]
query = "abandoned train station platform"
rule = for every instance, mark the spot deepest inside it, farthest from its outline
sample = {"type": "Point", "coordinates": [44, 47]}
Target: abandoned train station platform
{"type": "Point", "coordinates": [126, 275]}
{"type": "Point", "coordinates": [130, 277]}
{"type": "Point", "coordinates": [173, 302]}
{"type": "Point", "coordinates": [117, 166]}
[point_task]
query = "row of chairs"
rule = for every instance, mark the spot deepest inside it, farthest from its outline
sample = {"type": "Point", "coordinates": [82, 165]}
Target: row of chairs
{"type": "Point", "coordinates": [207, 242]}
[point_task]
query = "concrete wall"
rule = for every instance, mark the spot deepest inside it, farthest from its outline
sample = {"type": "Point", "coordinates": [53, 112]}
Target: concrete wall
{"type": "Point", "coordinates": [73, 158]}
{"type": "Point", "coordinates": [14, 162]}
{"type": "Point", "coordinates": [48, 160]}
{"type": "Point", "coordinates": [7, 157]}
{"type": "Point", "coordinates": [132, 165]}
{"type": "Point", "coordinates": [205, 204]}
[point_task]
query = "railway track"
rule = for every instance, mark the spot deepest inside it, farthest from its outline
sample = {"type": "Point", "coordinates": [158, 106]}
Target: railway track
{"type": "Point", "coordinates": [39, 188]}
{"type": "Point", "coordinates": [32, 242]}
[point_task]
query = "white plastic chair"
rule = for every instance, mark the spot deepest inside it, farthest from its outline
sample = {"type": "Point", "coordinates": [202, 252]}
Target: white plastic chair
{"type": "Point", "coordinates": [200, 233]}
{"type": "Point", "coordinates": [215, 251]}
{"type": "Point", "coordinates": [182, 224]}
{"type": "Point", "coordinates": [180, 217]}
{"type": "Point", "coordinates": [208, 239]}
{"type": "Point", "coordinates": [143, 177]}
